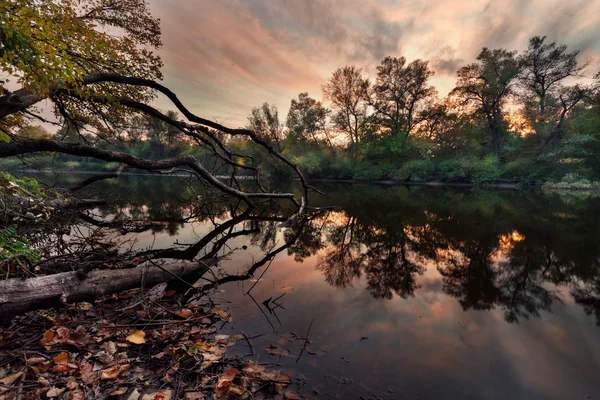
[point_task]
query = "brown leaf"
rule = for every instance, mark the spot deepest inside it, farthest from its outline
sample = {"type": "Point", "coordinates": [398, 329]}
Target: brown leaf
{"type": "Point", "coordinates": [119, 391]}
{"type": "Point", "coordinates": [87, 374]}
{"type": "Point", "coordinates": [185, 313]}
{"type": "Point", "coordinates": [54, 392]}
{"type": "Point", "coordinates": [163, 394]}
{"type": "Point", "coordinates": [47, 338]}
{"type": "Point", "coordinates": [137, 337]}
{"type": "Point", "coordinates": [76, 395]}
{"type": "Point", "coordinates": [220, 312]}
{"type": "Point", "coordinates": [9, 380]}
{"type": "Point", "coordinates": [194, 396]}
{"type": "Point", "coordinates": [72, 385]}
{"type": "Point", "coordinates": [114, 372]}
{"type": "Point", "coordinates": [238, 391]}
{"type": "Point", "coordinates": [43, 381]}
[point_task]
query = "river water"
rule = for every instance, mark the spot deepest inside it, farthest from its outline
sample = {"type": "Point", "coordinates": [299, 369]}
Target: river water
{"type": "Point", "coordinates": [412, 292]}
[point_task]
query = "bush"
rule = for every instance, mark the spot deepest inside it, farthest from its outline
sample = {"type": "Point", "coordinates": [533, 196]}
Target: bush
{"type": "Point", "coordinates": [486, 170]}
{"type": "Point", "coordinates": [416, 170]}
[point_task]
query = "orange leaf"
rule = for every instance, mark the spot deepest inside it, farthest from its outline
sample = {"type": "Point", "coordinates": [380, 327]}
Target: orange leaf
{"type": "Point", "coordinates": [225, 380]}
{"type": "Point", "coordinates": [61, 359]}
{"type": "Point", "coordinates": [137, 337]}
{"type": "Point", "coordinates": [185, 313]}
{"type": "Point", "coordinates": [61, 368]}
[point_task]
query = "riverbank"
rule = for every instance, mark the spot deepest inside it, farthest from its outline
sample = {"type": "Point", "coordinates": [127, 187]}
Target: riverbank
{"type": "Point", "coordinates": [567, 184]}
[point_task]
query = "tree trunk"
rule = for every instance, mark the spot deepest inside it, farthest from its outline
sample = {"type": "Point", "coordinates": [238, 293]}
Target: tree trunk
{"type": "Point", "coordinates": [18, 296]}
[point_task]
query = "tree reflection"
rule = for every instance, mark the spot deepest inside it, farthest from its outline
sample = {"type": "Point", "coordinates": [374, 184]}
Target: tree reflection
{"type": "Point", "coordinates": [518, 253]}
{"type": "Point", "coordinates": [514, 253]}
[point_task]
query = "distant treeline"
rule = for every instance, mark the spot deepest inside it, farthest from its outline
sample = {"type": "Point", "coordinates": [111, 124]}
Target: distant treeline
{"type": "Point", "coordinates": [529, 117]}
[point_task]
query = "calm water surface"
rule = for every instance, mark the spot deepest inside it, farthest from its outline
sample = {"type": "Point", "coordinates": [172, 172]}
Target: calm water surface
{"type": "Point", "coordinates": [415, 293]}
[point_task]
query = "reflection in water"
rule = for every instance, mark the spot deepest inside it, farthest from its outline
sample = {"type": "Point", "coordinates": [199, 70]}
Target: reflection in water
{"type": "Point", "coordinates": [461, 293]}
{"type": "Point", "coordinates": [489, 256]}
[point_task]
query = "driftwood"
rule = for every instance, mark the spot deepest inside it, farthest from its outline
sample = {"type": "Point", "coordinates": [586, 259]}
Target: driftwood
{"type": "Point", "coordinates": [18, 296]}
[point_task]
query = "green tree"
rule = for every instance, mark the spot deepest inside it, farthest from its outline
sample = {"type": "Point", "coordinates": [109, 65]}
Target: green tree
{"type": "Point", "coordinates": [400, 93]}
{"type": "Point", "coordinates": [486, 85]}
{"type": "Point", "coordinates": [307, 120]}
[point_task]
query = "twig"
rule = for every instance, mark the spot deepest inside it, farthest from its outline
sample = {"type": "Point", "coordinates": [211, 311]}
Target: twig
{"type": "Point", "coordinates": [159, 323]}
{"type": "Point", "coordinates": [249, 343]}
{"type": "Point", "coordinates": [305, 340]}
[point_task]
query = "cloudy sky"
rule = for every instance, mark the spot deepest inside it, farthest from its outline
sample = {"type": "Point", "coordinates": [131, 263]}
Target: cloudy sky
{"type": "Point", "coordinates": [224, 57]}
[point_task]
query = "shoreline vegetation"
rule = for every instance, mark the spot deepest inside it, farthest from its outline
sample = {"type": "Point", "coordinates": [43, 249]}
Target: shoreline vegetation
{"type": "Point", "coordinates": [570, 183]}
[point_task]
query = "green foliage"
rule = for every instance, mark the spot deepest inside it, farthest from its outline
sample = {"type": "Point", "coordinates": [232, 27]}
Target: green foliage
{"type": "Point", "coordinates": [11, 185]}
{"type": "Point", "coordinates": [15, 249]}
{"type": "Point", "coordinates": [416, 170]}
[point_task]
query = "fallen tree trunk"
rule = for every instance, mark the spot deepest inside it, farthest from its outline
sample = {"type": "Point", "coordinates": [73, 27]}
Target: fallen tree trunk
{"type": "Point", "coordinates": [18, 296]}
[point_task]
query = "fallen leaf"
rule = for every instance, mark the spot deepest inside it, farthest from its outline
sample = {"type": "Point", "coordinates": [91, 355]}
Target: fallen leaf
{"type": "Point", "coordinates": [137, 337]}
{"type": "Point", "coordinates": [9, 380]}
{"type": "Point", "coordinates": [47, 338]}
{"type": "Point", "coordinates": [72, 385]}
{"type": "Point", "coordinates": [135, 395]}
{"type": "Point", "coordinates": [220, 312]}
{"type": "Point", "coordinates": [114, 372]}
{"type": "Point", "coordinates": [238, 391]}
{"type": "Point", "coordinates": [163, 394]}
{"type": "Point", "coordinates": [87, 373]}
{"type": "Point", "coordinates": [61, 359]}
{"type": "Point", "coordinates": [43, 381]}
{"type": "Point", "coordinates": [225, 381]}
{"type": "Point", "coordinates": [185, 313]}
{"type": "Point", "coordinates": [54, 392]}
{"type": "Point", "coordinates": [291, 396]}
{"type": "Point", "coordinates": [194, 396]}
{"type": "Point", "coordinates": [85, 306]}
{"type": "Point", "coordinates": [76, 395]}
{"type": "Point", "coordinates": [119, 391]}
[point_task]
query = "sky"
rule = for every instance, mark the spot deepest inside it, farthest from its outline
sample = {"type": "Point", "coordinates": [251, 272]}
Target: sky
{"type": "Point", "coordinates": [224, 57]}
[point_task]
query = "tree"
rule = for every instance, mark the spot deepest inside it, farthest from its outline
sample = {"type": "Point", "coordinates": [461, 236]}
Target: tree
{"type": "Point", "coordinates": [60, 51]}
{"type": "Point", "coordinates": [264, 121]}
{"type": "Point", "coordinates": [307, 119]}
{"type": "Point", "coordinates": [486, 85]}
{"type": "Point", "coordinates": [545, 65]}
{"type": "Point", "coordinates": [346, 90]}
{"type": "Point", "coordinates": [400, 92]}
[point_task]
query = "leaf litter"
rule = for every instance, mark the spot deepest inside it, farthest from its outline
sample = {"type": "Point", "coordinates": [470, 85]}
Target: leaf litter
{"type": "Point", "coordinates": [101, 350]}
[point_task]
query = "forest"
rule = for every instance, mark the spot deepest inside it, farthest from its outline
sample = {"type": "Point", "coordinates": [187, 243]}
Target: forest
{"type": "Point", "coordinates": [530, 118]}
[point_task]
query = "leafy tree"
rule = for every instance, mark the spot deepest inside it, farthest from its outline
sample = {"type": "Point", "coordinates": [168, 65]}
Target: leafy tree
{"type": "Point", "coordinates": [264, 121]}
{"type": "Point", "coordinates": [545, 65]}
{"type": "Point", "coordinates": [400, 92]}
{"type": "Point", "coordinates": [347, 91]}
{"type": "Point", "coordinates": [307, 120]}
{"type": "Point", "coordinates": [486, 85]}
{"type": "Point", "coordinates": [94, 61]}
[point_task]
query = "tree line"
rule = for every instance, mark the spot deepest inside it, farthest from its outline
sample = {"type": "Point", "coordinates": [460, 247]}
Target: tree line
{"type": "Point", "coordinates": [525, 117]}
{"type": "Point", "coordinates": [529, 117]}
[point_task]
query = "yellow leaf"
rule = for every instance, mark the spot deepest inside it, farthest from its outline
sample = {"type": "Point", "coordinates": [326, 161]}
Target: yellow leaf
{"type": "Point", "coordinates": [137, 337]}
